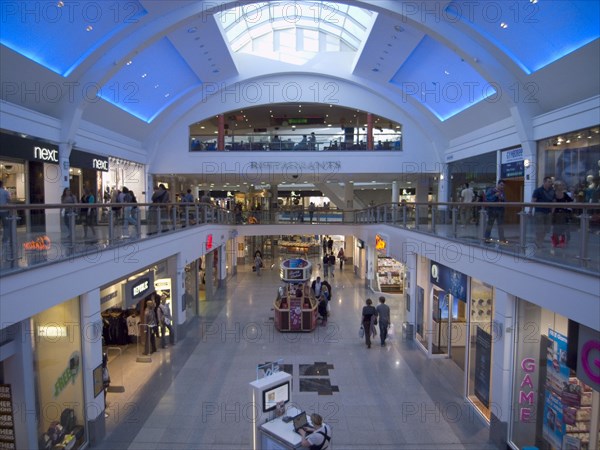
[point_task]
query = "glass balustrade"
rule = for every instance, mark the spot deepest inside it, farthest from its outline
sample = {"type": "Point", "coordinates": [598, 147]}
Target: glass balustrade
{"type": "Point", "coordinates": [42, 234]}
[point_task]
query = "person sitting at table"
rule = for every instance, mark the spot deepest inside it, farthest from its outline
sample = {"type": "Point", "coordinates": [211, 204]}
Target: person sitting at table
{"type": "Point", "coordinates": [317, 436]}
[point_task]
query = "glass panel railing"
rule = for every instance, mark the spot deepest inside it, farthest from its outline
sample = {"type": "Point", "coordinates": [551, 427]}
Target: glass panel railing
{"type": "Point", "coordinates": [41, 234]}
{"type": "Point", "coordinates": [298, 141]}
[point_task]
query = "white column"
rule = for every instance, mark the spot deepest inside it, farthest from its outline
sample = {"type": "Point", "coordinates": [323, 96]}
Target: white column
{"type": "Point", "coordinates": [531, 165]}
{"type": "Point", "coordinates": [411, 269]}
{"type": "Point", "coordinates": [91, 349]}
{"type": "Point", "coordinates": [178, 294]}
{"type": "Point", "coordinates": [395, 192]}
{"type": "Point", "coordinates": [502, 338]}
{"type": "Point", "coordinates": [349, 200]}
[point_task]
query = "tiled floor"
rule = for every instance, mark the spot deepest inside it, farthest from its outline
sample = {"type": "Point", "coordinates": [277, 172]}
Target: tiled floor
{"type": "Point", "coordinates": [385, 397]}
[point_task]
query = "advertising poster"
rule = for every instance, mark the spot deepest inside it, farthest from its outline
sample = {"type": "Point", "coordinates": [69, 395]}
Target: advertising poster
{"type": "Point", "coordinates": [557, 376]}
{"type": "Point", "coordinates": [483, 364]}
{"type": "Point", "coordinates": [449, 280]}
{"type": "Point", "coordinates": [295, 314]}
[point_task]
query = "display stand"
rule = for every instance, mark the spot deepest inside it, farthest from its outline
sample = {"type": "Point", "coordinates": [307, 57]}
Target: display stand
{"type": "Point", "coordinates": [295, 308]}
{"type": "Point", "coordinates": [266, 393]}
{"type": "Point", "coordinates": [389, 275]}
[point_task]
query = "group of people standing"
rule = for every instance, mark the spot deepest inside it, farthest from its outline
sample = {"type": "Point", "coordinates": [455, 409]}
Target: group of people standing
{"type": "Point", "coordinates": [158, 319]}
{"type": "Point", "coordinates": [555, 219]}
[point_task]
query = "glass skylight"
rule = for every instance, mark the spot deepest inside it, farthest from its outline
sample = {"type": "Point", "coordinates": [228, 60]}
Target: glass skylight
{"type": "Point", "coordinates": [295, 32]}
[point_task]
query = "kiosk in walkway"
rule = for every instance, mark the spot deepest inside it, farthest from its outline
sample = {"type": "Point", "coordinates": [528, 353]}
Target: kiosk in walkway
{"type": "Point", "coordinates": [295, 307]}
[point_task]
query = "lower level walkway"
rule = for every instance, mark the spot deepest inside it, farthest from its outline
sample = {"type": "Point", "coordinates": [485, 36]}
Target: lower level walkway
{"type": "Point", "coordinates": [389, 397]}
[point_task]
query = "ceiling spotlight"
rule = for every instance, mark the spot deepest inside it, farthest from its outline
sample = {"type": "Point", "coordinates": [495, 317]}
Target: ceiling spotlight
{"type": "Point", "coordinates": [504, 25]}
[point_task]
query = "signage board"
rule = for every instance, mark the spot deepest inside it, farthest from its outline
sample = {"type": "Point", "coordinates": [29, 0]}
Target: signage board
{"type": "Point", "coordinates": [27, 148]}
{"type": "Point", "coordinates": [449, 280]}
{"type": "Point", "coordinates": [84, 160]}
{"type": "Point", "coordinates": [141, 287]}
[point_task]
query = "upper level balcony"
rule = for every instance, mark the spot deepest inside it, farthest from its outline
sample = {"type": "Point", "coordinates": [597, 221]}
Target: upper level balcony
{"type": "Point", "coordinates": [35, 235]}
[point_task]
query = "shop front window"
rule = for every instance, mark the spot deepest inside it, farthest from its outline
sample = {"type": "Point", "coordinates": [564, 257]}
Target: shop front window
{"type": "Point", "coordinates": [59, 379]}
{"type": "Point", "coordinates": [480, 346]}
{"type": "Point", "coordinates": [573, 158]}
{"type": "Point", "coordinates": [553, 408]}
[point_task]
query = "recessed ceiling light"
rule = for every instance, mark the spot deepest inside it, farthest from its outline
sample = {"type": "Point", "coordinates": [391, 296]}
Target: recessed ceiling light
{"type": "Point", "coordinates": [144, 75]}
{"type": "Point", "coordinates": [156, 86]}
{"type": "Point", "coordinates": [329, 125]}
{"type": "Point", "coordinates": [89, 28]}
{"type": "Point", "coordinates": [60, 4]}
{"type": "Point", "coordinates": [504, 25]}
{"type": "Point", "coordinates": [128, 63]}
{"type": "Point", "coordinates": [192, 29]}
{"type": "Point", "coordinates": [167, 95]}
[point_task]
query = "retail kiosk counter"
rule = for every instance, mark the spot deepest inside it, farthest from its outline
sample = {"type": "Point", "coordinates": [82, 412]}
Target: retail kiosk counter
{"type": "Point", "coordinates": [295, 313]}
{"type": "Point", "coordinates": [278, 435]}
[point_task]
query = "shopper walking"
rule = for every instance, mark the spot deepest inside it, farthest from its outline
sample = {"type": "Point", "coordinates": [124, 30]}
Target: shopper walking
{"type": "Point", "coordinates": [68, 198]}
{"type": "Point", "coordinates": [165, 320]}
{"type": "Point", "coordinates": [258, 263]}
{"type": "Point", "coordinates": [4, 200]}
{"type": "Point", "coordinates": [332, 264]}
{"type": "Point", "coordinates": [495, 214]}
{"type": "Point", "coordinates": [542, 215]}
{"type": "Point", "coordinates": [341, 257]}
{"type": "Point", "coordinates": [383, 313]}
{"type": "Point", "coordinates": [325, 264]}
{"type": "Point", "coordinates": [561, 216]}
{"type": "Point", "coordinates": [88, 215]}
{"type": "Point", "coordinates": [369, 320]}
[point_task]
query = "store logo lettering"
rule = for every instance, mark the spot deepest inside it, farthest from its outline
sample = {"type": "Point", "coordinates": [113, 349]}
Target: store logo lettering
{"type": "Point", "coordinates": [99, 164]}
{"type": "Point", "coordinates": [140, 288]}
{"type": "Point", "coordinates": [589, 362]}
{"type": "Point", "coordinates": [45, 154]}
{"type": "Point", "coordinates": [526, 398]}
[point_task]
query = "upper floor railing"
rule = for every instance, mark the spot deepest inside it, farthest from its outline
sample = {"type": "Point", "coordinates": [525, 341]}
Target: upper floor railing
{"type": "Point", "coordinates": [297, 141]}
{"type": "Point", "coordinates": [41, 234]}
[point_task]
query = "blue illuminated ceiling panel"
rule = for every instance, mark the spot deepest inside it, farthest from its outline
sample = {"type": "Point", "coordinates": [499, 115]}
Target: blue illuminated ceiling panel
{"type": "Point", "coordinates": [59, 35]}
{"type": "Point", "coordinates": [534, 33]}
{"type": "Point", "coordinates": [151, 81]}
{"type": "Point", "coordinates": [440, 80]}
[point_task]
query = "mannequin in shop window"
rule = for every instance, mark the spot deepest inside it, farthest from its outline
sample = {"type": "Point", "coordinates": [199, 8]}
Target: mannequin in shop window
{"type": "Point", "coordinates": [165, 320]}
{"type": "Point", "coordinates": [151, 327]}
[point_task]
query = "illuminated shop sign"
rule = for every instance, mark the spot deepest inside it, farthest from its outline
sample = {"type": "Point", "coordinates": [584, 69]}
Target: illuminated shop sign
{"type": "Point", "coordinates": [29, 149]}
{"type": "Point", "coordinates": [84, 160]}
{"type": "Point", "coordinates": [140, 288]}
{"type": "Point", "coordinates": [588, 361]}
{"type": "Point", "coordinates": [526, 391]}
{"type": "Point", "coordinates": [209, 242]}
{"type": "Point", "coordinates": [40, 243]}
{"type": "Point", "coordinates": [381, 244]}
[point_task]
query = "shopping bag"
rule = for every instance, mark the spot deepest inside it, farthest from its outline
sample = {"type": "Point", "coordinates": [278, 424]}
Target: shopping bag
{"type": "Point", "coordinates": [361, 332]}
{"type": "Point", "coordinates": [390, 331]}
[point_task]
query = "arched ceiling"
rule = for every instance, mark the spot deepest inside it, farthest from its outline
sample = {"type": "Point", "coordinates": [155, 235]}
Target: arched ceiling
{"type": "Point", "coordinates": [138, 67]}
